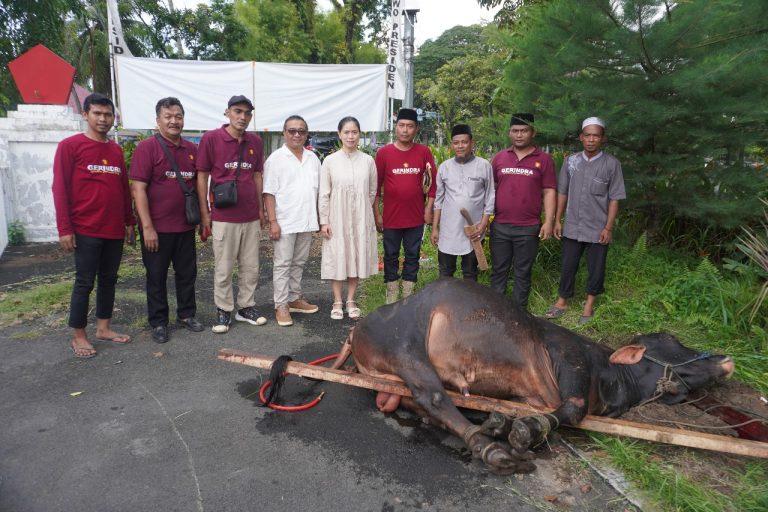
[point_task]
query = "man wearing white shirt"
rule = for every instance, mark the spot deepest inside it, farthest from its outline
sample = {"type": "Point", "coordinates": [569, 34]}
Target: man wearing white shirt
{"type": "Point", "coordinates": [291, 181]}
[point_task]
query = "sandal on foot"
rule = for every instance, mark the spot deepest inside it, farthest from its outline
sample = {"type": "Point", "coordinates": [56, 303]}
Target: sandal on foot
{"type": "Point", "coordinates": [337, 313]}
{"type": "Point", "coordinates": [120, 339]}
{"type": "Point", "coordinates": [584, 319]}
{"type": "Point", "coordinates": [82, 352]}
{"type": "Point", "coordinates": [353, 312]}
{"type": "Point", "coordinates": [554, 312]}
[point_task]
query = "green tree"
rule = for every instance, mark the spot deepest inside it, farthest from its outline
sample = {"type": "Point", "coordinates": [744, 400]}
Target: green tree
{"type": "Point", "coordinates": [510, 10]}
{"type": "Point", "coordinates": [462, 90]}
{"type": "Point", "coordinates": [212, 32]}
{"type": "Point", "coordinates": [24, 25]}
{"type": "Point", "coordinates": [462, 79]}
{"type": "Point", "coordinates": [454, 42]}
{"type": "Point", "coordinates": [682, 86]}
{"type": "Point", "coordinates": [274, 31]}
{"type": "Point", "coordinates": [353, 13]}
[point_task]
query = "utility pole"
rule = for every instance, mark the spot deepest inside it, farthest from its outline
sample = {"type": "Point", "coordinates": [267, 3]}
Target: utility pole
{"type": "Point", "coordinates": [408, 47]}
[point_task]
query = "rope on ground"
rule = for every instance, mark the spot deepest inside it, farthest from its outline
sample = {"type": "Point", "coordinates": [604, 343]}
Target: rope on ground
{"type": "Point", "coordinates": [294, 408]}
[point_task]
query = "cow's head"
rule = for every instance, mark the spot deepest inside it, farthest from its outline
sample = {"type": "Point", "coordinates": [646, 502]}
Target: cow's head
{"type": "Point", "coordinates": [663, 365]}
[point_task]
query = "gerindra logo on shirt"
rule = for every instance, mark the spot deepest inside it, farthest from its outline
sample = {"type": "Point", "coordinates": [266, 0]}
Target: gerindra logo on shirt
{"type": "Point", "coordinates": [104, 167]}
{"type": "Point", "coordinates": [520, 171]}
{"type": "Point", "coordinates": [243, 165]}
{"type": "Point", "coordinates": [406, 170]}
{"type": "Point", "coordinates": [187, 175]}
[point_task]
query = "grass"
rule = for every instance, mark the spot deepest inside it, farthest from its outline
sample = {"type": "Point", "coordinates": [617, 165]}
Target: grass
{"type": "Point", "coordinates": [650, 289]}
{"type": "Point", "coordinates": [44, 297]}
{"type": "Point", "coordinates": [20, 306]}
{"type": "Point", "coordinates": [677, 487]}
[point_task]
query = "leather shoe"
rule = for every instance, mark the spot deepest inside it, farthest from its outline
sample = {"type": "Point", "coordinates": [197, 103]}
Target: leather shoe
{"type": "Point", "coordinates": [160, 334]}
{"type": "Point", "coordinates": [190, 323]}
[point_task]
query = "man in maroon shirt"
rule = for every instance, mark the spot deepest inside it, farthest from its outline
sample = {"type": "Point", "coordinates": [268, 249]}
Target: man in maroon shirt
{"type": "Point", "coordinates": [404, 169]}
{"type": "Point", "coordinates": [166, 236]}
{"type": "Point", "coordinates": [93, 216]}
{"type": "Point", "coordinates": [524, 175]}
{"type": "Point", "coordinates": [235, 229]}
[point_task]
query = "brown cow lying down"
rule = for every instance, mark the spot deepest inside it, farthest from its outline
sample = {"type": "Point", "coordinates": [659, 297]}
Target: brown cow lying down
{"type": "Point", "coordinates": [460, 335]}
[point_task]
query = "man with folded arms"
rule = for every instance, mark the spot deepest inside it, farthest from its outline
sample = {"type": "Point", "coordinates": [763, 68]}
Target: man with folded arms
{"type": "Point", "coordinates": [291, 181]}
{"type": "Point", "coordinates": [93, 216]}
{"type": "Point", "coordinates": [230, 154]}
{"type": "Point", "coordinates": [165, 234]}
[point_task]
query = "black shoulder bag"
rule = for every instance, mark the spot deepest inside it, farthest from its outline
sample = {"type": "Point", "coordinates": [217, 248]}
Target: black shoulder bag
{"type": "Point", "coordinates": [191, 203]}
{"type": "Point", "coordinates": [225, 194]}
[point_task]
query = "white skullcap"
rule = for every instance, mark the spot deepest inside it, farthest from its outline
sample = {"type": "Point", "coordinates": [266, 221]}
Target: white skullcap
{"type": "Point", "coordinates": [592, 120]}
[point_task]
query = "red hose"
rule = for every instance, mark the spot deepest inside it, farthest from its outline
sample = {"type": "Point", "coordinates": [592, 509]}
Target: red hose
{"type": "Point", "coordinates": [295, 408]}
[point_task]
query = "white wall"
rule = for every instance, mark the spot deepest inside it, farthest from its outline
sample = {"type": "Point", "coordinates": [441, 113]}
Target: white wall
{"type": "Point", "coordinates": [28, 140]}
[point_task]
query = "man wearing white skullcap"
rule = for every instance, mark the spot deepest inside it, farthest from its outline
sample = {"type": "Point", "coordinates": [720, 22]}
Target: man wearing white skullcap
{"type": "Point", "coordinates": [589, 188]}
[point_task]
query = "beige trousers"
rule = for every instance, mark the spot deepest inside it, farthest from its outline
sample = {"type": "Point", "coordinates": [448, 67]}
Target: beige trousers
{"type": "Point", "coordinates": [235, 242]}
{"type": "Point", "coordinates": [290, 255]}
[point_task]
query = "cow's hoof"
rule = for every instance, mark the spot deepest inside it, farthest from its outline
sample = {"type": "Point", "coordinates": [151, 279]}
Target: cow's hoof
{"type": "Point", "coordinates": [500, 461]}
{"type": "Point", "coordinates": [520, 436]}
{"type": "Point", "coordinates": [496, 425]}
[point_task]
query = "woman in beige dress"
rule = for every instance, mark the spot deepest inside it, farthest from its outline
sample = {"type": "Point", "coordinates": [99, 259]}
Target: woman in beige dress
{"type": "Point", "coordinates": [347, 190]}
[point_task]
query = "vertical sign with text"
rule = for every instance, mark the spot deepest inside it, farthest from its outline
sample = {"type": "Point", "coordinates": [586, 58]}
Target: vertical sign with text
{"type": "Point", "coordinates": [395, 57]}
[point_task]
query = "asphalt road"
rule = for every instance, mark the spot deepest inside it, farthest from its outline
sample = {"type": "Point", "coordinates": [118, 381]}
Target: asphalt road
{"type": "Point", "coordinates": [148, 427]}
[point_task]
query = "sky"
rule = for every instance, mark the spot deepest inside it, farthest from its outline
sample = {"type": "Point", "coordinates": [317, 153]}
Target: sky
{"type": "Point", "coordinates": [434, 18]}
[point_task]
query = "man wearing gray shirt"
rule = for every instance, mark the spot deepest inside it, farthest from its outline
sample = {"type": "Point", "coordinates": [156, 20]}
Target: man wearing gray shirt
{"type": "Point", "coordinates": [465, 181]}
{"type": "Point", "coordinates": [589, 188]}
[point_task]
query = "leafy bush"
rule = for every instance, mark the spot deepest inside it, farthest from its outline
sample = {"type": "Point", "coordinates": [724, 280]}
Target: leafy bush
{"type": "Point", "coordinates": [16, 234]}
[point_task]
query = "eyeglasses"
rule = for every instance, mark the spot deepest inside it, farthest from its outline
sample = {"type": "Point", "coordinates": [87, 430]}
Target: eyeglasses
{"type": "Point", "coordinates": [297, 131]}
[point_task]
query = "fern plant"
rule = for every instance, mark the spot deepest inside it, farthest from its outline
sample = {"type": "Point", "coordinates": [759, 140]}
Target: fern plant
{"type": "Point", "coordinates": [755, 246]}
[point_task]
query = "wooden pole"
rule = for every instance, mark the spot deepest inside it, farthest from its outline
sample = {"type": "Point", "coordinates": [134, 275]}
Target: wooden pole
{"type": "Point", "coordinates": [601, 424]}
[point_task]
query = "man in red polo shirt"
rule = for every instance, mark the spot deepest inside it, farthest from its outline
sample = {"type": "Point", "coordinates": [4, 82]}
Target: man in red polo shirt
{"type": "Point", "coordinates": [166, 236]}
{"type": "Point", "coordinates": [524, 176]}
{"type": "Point", "coordinates": [401, 169]}
{"type": "Point", "coordinates": [235, 229]}
{"type": "Point", "coordinates": [93, 216]}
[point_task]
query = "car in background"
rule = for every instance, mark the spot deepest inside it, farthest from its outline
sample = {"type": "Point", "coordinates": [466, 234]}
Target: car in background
{"type": "Point", "coordinates": [323, 145]}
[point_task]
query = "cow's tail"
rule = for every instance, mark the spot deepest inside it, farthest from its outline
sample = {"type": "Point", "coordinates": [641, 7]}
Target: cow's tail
{"type": "Point", "coordinates": [277, 378]}
{"type": "Point", "coordinates": [345, 352]}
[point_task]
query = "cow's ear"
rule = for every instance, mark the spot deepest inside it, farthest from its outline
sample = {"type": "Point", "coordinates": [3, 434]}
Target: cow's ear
{"type": "Point", "coordinates": [630, 354]}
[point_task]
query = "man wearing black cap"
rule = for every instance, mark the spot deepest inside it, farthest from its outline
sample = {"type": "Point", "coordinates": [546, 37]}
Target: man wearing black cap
{"type": "Point", "coordinates": [524, 175]}
{"type": "Point", "coordinates": [406, 173]}
{"type": "Point", "coordinates": [230, 154]}
{"type": "Point", "coordinates": [465, 181]}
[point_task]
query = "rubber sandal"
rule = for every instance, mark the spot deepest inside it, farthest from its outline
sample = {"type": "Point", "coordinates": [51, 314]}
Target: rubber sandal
{"type": "Point", "coordinates": [554, 312]}
{"type": "Point", "coordinates": [81, 356]}
{"type": "Point", "coordinates": [584, 319]}
{"type": "Point", "coordinates": [120, 339]}
{"type": "Point", "coordinates": [354, 311]}
{"type": "Point", "coordinates": [337, 313]}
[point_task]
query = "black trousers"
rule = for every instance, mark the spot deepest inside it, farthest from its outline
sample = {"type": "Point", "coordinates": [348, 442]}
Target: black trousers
{"type": "Point", "coordinates": [596, 257]}
{"type": "Point", "coordinates": [94, 257]}
{"type": "Point", "coordinates": [410, 238]}
{"type": "Point", "coordinates": [177, 249]}
{"type": "Point", "coordinates": [447, 265]}
{"type": "Point", "coordinates": [513, 247]}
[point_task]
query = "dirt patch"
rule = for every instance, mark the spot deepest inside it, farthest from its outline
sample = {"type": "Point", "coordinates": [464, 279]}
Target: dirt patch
{"type": "Point", "coordinates": [32, 264]}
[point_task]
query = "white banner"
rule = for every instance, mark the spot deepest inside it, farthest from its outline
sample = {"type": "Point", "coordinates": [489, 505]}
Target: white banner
{"type": "Point", "coordinates": [321, 93]}
{"type": "Point", "coordinates": [117, 44]}
{"type": "Point", "coordinates": [396, 53]}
